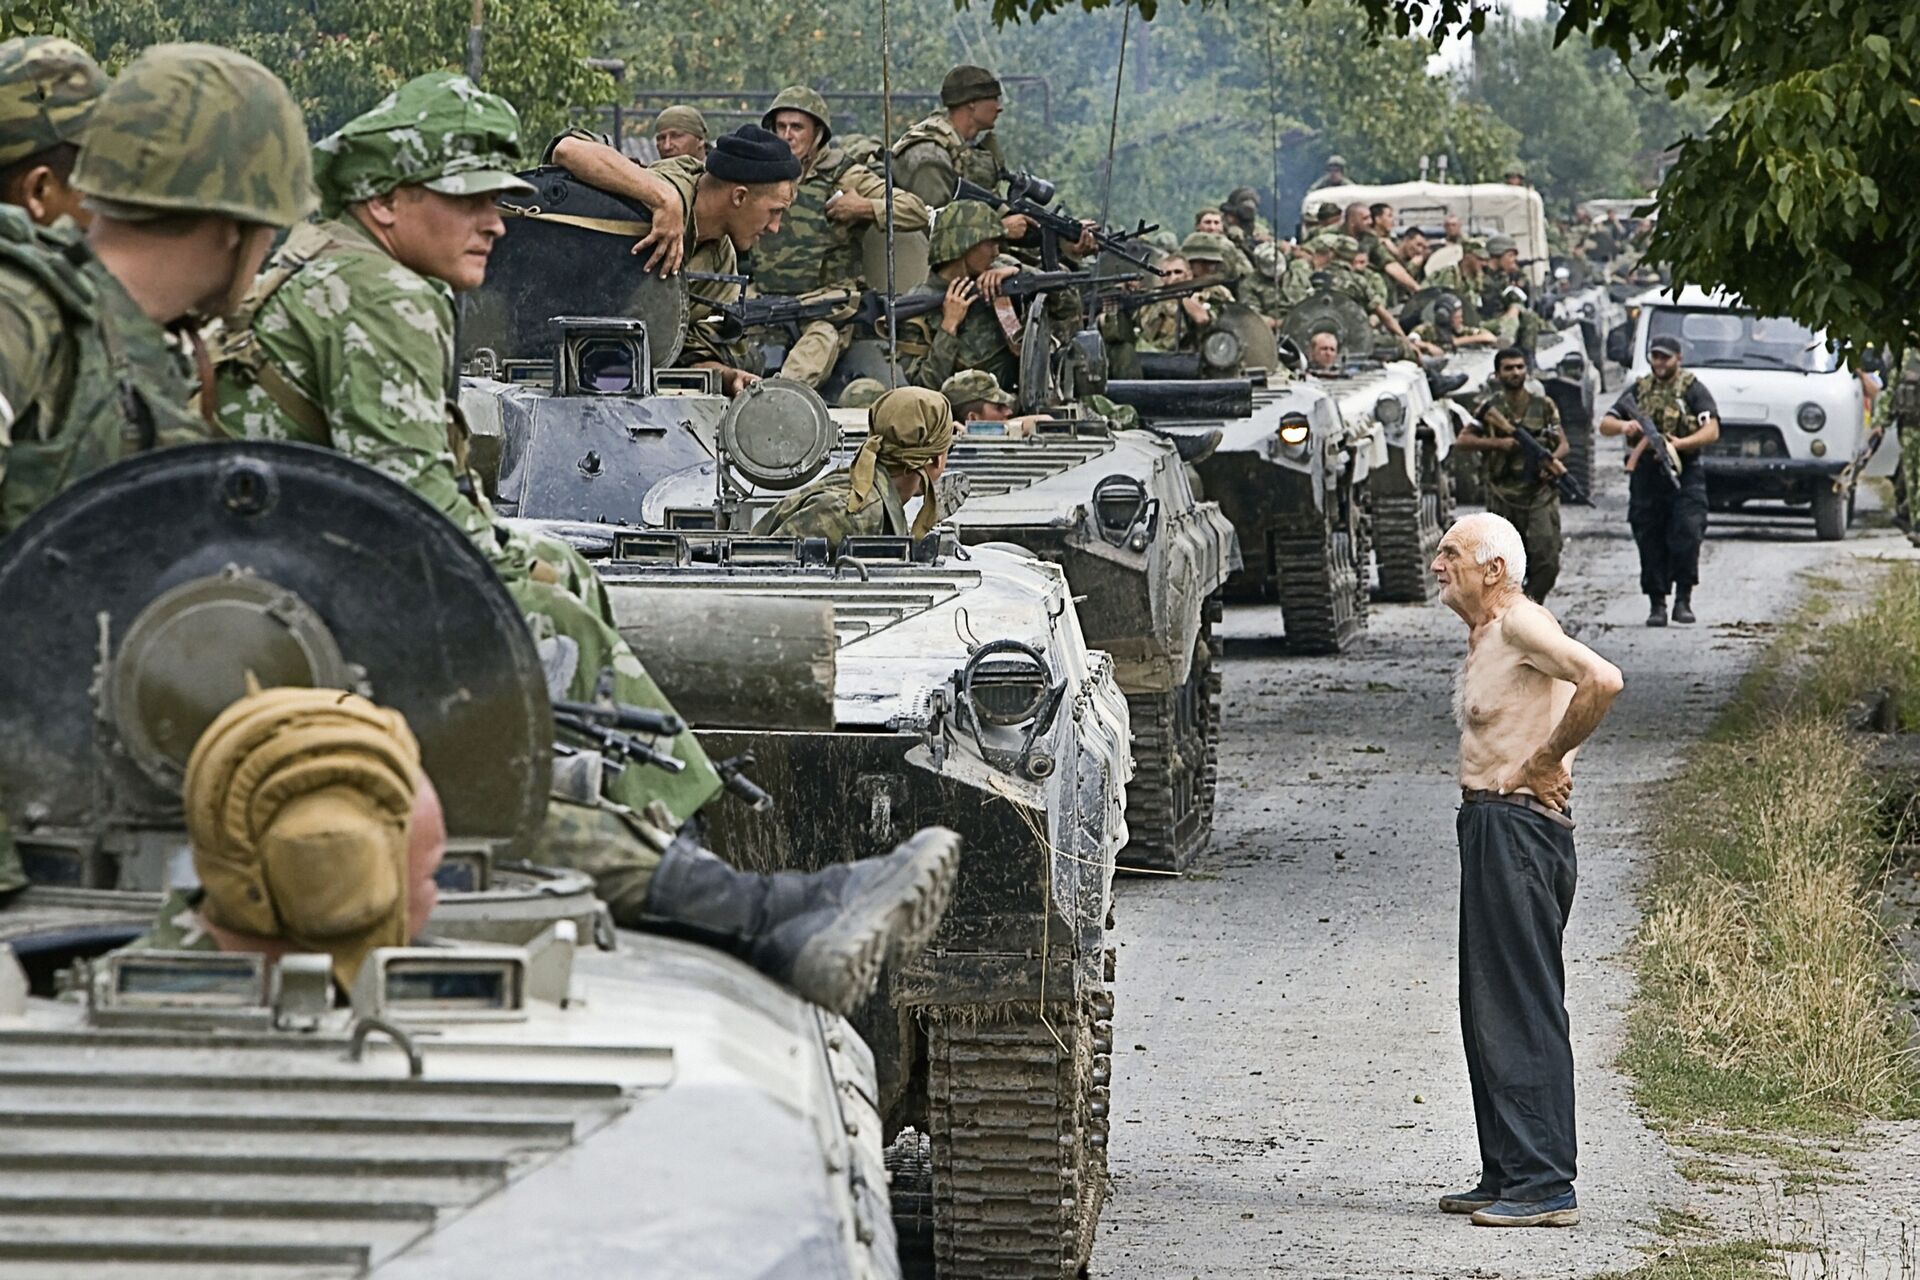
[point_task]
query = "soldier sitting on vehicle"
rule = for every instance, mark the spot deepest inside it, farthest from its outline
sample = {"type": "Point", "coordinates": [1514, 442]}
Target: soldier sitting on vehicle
{"type": "Point", "coordinates": [1365, 286]}
{"type": "Point", "coordinates": [1297, 285]}
{"type": "Point", "coordinates": [1383, 253]}
{"type": "Point", "coordinates": [1180, 324]}
{"type": "Point", "coordinates": [680, 131]}
{"type": "Point", "coordinates": [1448, 329]}
{"type": "Point", "coordinates": [705, 214]}
{"type": "Point", "coordinates": [1464, 278]}
{"type": "Point", "coordinates": [816, 244]}
{"type": "Point", "coordinates": [47, 90]}
{"type": "Point", "coordinates": [957, 142]}
{"type": "Point", "coordinates": [314, 829]}
{"type": "Point", "coordinates": [975, 397]}
{"type": "Point", "coordinates": [909, 432]}
{"type": "Point", "coordinates": [968, 270]}
{"type": "Point", "coordinates": [1211, 221]}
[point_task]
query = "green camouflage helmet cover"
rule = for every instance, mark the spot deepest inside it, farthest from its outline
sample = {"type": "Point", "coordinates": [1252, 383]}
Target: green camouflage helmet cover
{"type": "Point", "coordinates": [437, 131]}
{"type": "Point", "coordinates": [959, 227]}
{"type": "Point", "coordinates": [1325, 242]}
{"type": "Point", "coordinates": [970, 385]}
{"type": "Point", "coordinates": [861, 393]}
{"type": "Point", "coordinates": [968, 83]}
{"type": "Point", "coordinates": [47, 90]}
{"type": "Point", "coordinates": [1497, 245]}
{"type": "Point", "coordinates": [1206, 246]}
{"type": "Point", "coordinates": [194, 128]}
{"type": "Point", "coordinates": [798, 97]}
{"type": "Point", "coordinates": [1345, 246]}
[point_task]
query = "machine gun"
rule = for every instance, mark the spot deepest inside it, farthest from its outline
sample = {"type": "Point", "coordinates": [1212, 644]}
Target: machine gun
{"type": "Point", "coordinates": [617, 731]}
{"type": "Point", "coordinates": [1653, 443]}
{"type": "Point", "coordinates": [1029, 197]}
{"type": "Point", "coordinates": [1134, 300]}
{"type": "Point", "coordinates": [1534, 455]}
{"type": "Point", "coordinates": [868, 310]}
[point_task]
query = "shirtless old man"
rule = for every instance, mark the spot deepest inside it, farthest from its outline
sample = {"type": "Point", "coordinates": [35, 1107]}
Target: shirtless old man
{"type": "Point", "coordinates": [1528, 696]}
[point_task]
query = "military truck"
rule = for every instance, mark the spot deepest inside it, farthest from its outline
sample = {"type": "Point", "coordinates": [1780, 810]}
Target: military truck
{"type": "Point", "coordinates": [482, 1107]}
{"type": "Point", "coordinates": [962, 687]}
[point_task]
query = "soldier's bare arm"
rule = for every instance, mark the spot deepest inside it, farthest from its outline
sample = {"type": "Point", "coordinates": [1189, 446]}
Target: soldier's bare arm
{"type": "Point", "coordinates": [599, 165]}
{"type": "Point", "coordinates": [1537, 639]}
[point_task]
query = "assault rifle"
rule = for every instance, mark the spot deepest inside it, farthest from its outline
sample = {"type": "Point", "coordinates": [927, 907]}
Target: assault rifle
{"type": "Point", "coordinates": [867, 309]}
{"type": "Point", "coordinates": [1134, 300]}
{"type": "Point", "coordinates": [1534, 455]}
{"type": "Point", "coordinates": [1655, 444]}
{"type": "Point", "coordinates": [1029, 197]}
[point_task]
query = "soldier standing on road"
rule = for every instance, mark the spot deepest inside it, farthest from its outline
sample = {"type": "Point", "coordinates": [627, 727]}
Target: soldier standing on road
{"type": "Point", "coordinates": [909, 432]}
{"type": "Point", "coordinates": [1531, 503]}
{"type": "Point", "coordinates": [967, 272]}
{"type": "Point", "coordinates": [1897, 407]}
{"type": "Point", "coordinates": [705, 215]}
{"type": "Point", "coordinates": [47, 90]}
{"type": "Point", "coordinates": [1668, 524]}
{"type": "Point", "coordinates": [1527, 697]}
{"type": "Point", "coordinates": [817, 244]}
{"type": "Point", "coordinates": [680, 131]}
{"type": "Point", "coordinates": [346, 342]}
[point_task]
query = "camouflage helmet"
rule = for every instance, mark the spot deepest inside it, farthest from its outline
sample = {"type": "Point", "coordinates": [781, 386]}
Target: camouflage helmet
{"type": "Point", "coordinates": [194, 128]}
{"type": "Point", "coordinates": [960, 227]}
{"type": "Point", "coordinates": [47, 90]}
{"type": "Point", "coordinates": [861, 393]}
{"type": "Point", "coordinates": [1447, 304]}
{"type": "Point", "coordinates": [798, 97]}
{"type": "Point", "coordinates": [1163, 240]}
{"type": "Point", "coordinates": [1324, 242]}
{"type": "Point", "coordinates": [1345, 245]}
{"type": "Point", "coordinates": [967, 83]}
{"type": "Point", "coordinates": [1336, 162]}
{"type": "Point", "coordinates": [1497, 245]}
{"type": "Point", "coordinates": [1207, 246]}
{"type": "Point", "coordinates": [437, 131]}
{"type": "Point", "coordinates": [1473, 245]}
{"type": "Point", "coordinates": [1514, 169]}
{"type": "Point", "coordinates": [973, 385]}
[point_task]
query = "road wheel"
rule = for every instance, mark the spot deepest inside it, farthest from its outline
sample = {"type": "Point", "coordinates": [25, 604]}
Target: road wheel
{"type": "Point", "coordinates": [1830, 513]}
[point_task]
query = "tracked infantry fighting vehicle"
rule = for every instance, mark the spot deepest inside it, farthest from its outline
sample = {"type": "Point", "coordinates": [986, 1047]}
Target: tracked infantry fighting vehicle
{"type": "Point", "coordinates": [962, 688]}
{"type": "Point", "coordinates": [467, 1109]}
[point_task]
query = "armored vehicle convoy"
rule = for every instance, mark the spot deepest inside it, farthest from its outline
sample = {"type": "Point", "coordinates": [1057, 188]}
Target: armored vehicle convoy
{"type": "Point", "coordinates": [962, 687]}
{"type": "Point", "coordinates": [466, 1109]}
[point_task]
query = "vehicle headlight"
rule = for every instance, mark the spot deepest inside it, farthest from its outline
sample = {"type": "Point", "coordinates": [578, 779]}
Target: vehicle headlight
{"type": "Point", "coordinates": [1811, 417]}
{"type": "Point", "coordinates": [1573, 366]}
{"type": "Point", "coordinates": [1294, 430]}
{"type": "Point", "coordinates": [1389, 412]}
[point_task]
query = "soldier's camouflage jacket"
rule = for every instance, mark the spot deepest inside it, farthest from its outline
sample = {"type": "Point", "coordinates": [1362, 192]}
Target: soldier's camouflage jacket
{"type": "Point", "coordinates": [931, 157]}
{"type": "Point", "coordinates": [932, 355]}
{"type": "Point", "coordinates": [812, 251]}
{"type": "Point", "coordinates": [1165, 325]}
{"type": "Point", "coordinates": [820, 511]}
{"type": "Point", "coordinates": [85, 377]}
{"type": "Point", "coordinates": [1296, 285]}
{"type": "Point", "coordinates": [1539, 417]}
{"type": "Point", "coordinates": [176, 926]}
{"type": "Point", "coordinates": [1451, 279]}
{"type": "Point", "coordinates": [350, 350]}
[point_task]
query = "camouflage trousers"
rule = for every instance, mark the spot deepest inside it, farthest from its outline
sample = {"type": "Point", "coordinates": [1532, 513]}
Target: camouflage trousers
{"type": "Point", "coordinates": [1538, 520]}
{"type": "Point", "coordinates": [616, 847]}
{"type": "Point", "coordinates": [815, 352]}
{"type": "Point", "coordinates": [575, 606]}
{"type": "Point", "coordinates": [1907, 477]}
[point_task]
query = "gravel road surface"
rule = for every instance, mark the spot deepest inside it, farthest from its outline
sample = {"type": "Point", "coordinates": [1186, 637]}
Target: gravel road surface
{"type": "Point", "coordinates": [1289, 1086]}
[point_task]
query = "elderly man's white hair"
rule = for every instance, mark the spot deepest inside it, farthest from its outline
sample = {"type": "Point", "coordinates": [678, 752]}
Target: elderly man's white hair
{"type": "Point", "coordinates": [1492, 537]}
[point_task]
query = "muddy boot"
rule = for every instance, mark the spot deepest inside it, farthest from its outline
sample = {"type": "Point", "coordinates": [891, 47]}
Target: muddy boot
{"type": "Point", "coordinates": [824, 934]}
{"type": "Point", "coordinates": [1657, 612]}
{"type": "Point", "coordinates": [1683, 607]}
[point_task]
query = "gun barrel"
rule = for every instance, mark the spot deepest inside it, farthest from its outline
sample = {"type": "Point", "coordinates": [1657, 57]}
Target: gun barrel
{"type": "Point", "coordinates": [1159, 399]}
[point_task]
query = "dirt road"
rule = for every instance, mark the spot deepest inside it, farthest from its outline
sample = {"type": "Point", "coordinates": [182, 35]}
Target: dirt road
{"type": "Point", "coordinates": [1289, 1087]}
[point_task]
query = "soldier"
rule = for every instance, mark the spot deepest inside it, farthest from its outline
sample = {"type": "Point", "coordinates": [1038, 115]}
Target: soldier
{"type": "Point", "coordinates": [1384, 254]}
{"type": "Point", "coordinates": [1448, 329]}
{"type": "Point", "coordinates": [817, 244]}
{"type": "Point", "coordinates": [909, 431]}
{"type": "Point", "coordinates": [956, 142]}
{"type": "Point", "coordinates": [1211, 221]}
{"type": "Point", "coordinates": [1668, 524]}
{"type": "Point", "coordinates": [1531, 502]}
{"type": "Point", "coordinates": [1366, 286]}
{"type": "Point", "coordinates": [967, 271]}
{"type": "Point", "coordinates": [1335, 176]}
{"type": "Point", "coordinates": [1897, 408]}
{"type": "Point", "coordinates": [314, 829]}
{"type": "Point", "coordinates": [346, 342]}
{"type": "Point", "coordinates": [1515, 175]}
{"type": "Point", "coordinates": [975, 397]}
{"type": "Point", "coordinates": [1244, 225]}
{"type": "Point", "coordinates": [47, 90]}
{"type": "Point", "coordinates": [861, 392]}
{"type": "Point", "coordinates": [1297, 285]}
{"type": "Point", "coordinates": [705, 215]}
{"type": "Point", "coordinates": [1465, 279]}
{"type": "Point", "coordinates": [1179, 324]}
{"type": "Point", "coordinates": [88, 374]}
{"type": "Point", "coordinates": [1504, 279]}
{"type": "Point", "coordinates": [1323, 353]}
{"type": "Point", "coordinates": [680, 131]}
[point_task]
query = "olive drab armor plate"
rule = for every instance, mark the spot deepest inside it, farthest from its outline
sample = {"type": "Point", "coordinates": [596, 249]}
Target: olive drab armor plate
{"type": "Point", "coordinates": [1257, 347]}
{"type": "Point", "coordinates": [147, 593]}
{"type": "Point", "coordinates": [777, 434]}
{"type": "Point", "coordinates": [1327, 311]}
{"type": "Point", "coordinates": [566, 253]}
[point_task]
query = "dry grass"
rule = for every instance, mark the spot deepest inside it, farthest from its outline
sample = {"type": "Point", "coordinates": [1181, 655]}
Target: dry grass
{"type": "Point", "coordinates": [1767, 975]}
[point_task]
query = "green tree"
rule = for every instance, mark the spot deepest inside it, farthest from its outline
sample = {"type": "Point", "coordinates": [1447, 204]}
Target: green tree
{"type": "Point", "coordinates": [1578, 128]}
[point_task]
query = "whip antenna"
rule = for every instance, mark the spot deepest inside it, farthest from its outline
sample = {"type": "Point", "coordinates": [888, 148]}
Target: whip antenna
{"type": "Point", "coordinates": [1113, 121]}
{"type": "Point", "coordinates": [886, 137]}
{"type": "Point", "coordinates": [1273, 133]}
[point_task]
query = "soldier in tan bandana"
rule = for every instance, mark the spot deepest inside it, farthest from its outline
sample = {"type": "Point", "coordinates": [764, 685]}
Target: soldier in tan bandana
{"type": "Point", "coordinates": [909, 431]}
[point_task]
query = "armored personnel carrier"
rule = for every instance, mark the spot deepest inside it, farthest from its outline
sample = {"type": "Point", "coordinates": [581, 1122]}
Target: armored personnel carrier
{"type": "Point", "coordinates": [467, 1109]}
{"type": "Point", "coordinates": [963, 688]}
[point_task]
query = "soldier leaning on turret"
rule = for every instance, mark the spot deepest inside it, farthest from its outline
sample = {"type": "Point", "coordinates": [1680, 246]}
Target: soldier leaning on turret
{"type": "Point", "coordinates": [909, 433]}
{"type": "Point", "coordinates": [817, 244]}
{"type": "Point", "coordinates": [48, 87]}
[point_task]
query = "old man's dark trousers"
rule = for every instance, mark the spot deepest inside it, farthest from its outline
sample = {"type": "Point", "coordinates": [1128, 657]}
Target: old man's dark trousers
{"type": "Point", "coordinates": [1517, 875]}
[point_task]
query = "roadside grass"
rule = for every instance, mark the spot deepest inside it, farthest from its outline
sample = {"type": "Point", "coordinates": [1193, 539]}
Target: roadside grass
{"type": "Point", "coordinates": [1768, 998]}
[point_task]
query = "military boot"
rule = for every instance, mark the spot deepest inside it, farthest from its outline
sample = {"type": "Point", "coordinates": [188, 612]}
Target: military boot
{"type": "Point", "coordinates": [1657, 611]}
{"type": "Point", "coordinates": [823, 934]}
{"type": "Point", "coordinates": [1683, 607]}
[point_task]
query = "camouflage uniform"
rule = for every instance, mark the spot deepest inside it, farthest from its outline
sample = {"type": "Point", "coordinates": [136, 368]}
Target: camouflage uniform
{"type": "Point", "coordinates": [908, 429]}
{"type": "Point", "coordinates": [931, 157]}
{"type": "Point", "coordinates": [1296, 286]}
{"type": "Point", "coordinates": [932, 355]}
{"type": "Point", "coordinates": [1453, 279]}
{"type": "Point", "coordinates": [820, 511]}
{"type": "Point", "coordinates": [811, 251]}
{"type": "Point", "coordinates": [341, 346]}
{"type": "Point", "coordinates": [47, 90]}
{"type": "Point", "coordinates": [176, 926]}
{"type": "Point", "coordinates": [1668, 524]}
{"type": "Point", "coordinates": [1898, 410]}
{"type": "Point", "coordinates": [1532, 505]}
{"type": "Point", "coordinates": [1165, 325]}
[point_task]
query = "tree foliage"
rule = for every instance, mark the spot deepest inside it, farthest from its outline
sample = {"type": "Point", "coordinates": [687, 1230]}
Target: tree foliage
{"type": "Point", "coordinates": [339, 57]}
{"type": "Point", "coordinates": [1579, 131]}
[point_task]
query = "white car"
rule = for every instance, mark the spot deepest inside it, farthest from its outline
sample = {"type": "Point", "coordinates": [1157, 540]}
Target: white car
{"type": "Point", "coordinates": [1792, 417]}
